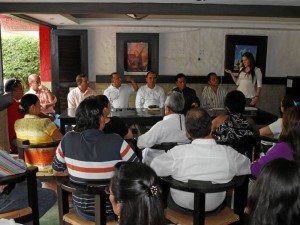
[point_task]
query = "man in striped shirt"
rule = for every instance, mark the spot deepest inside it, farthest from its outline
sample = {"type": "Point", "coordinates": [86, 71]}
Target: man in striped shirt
{"type": "Point", "coordinates": [87, 154]}
{"type": "Point", "coordinates": [213, 95]}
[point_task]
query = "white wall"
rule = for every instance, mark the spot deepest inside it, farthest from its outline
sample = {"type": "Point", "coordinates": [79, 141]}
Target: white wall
{"type": "Point", "coordinates": [180, 49]}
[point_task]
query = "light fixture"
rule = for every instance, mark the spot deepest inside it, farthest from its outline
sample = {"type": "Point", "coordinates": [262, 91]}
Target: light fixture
{"type": "Point", "coordinates": [137, 16]}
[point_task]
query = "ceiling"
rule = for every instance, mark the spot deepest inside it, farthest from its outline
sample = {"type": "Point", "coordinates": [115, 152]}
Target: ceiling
{"type": "Point", "coordinates": [258, 14]}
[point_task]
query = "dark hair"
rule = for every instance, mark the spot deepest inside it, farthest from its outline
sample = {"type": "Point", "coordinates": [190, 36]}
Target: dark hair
{"type": "Point", "coordinates": [180, 75]}
{"type": "Point", "coordinates": [150, 72]}
{"type": "Point", "coordinates": [113, 74]}
{"type": "Point", "coordinates": [136, 187]}
{"type": "Point", "coordinates": [198, 123]}
{"type": "Point", "coordinates": [102, 100]}
{"type": "Point", "coordinates": [88, 114]}
{"type": "Point", "coordinates": [235, 101]}
{"type": "Point", "coordinates": [275, 198]}
{"type": "Point", "coordinates": [11, 85]}
{"type": "Point", "coordinates": [175, 101]}
{"type": "Point", "coordinates": [27, 101]}
{"type": "Point", "coordinates": [79, 78]}
{"type": "Point", "coordinates": [251, 59]}
{"type": "Point", "coordinates": [210, 75]}
{"type": "Point", "coordinates": [291, 130]}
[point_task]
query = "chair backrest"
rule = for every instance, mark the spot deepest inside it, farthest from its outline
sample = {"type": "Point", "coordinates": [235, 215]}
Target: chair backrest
{"type": "Point", "coordinates": [65, 186]}
{"type": "Point", "coordinates": [199, 188]}
{"type": "Point", "coordinates": [166, 146]}
{"type": "Point", "coordinates": [30, 177]}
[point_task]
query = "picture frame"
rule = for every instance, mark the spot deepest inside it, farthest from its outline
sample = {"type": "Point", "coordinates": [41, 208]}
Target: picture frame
{"type": "Point", "coordinates": [137, 53]}
{"type": "Point", "coordinates": [236, 45]}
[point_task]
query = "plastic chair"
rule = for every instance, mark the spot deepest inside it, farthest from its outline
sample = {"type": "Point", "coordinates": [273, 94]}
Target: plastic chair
{"type": "Point", "coordinates": [200, 188]}
{"type": "Point", "coordinates": [69, 216]}
{"type": "Point", "coordinates": [32, 211]}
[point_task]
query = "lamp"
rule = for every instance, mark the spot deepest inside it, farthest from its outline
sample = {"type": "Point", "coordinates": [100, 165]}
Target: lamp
{"type": "Point", "coordinates": [137, 16]}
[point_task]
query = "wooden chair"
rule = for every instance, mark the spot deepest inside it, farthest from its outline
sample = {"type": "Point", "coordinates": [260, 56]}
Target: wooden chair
{"type": "Point", "coordinates": [200, 188]}
{"type": "Point", "coordinates": [25, 144]}
{"type": "Point", "coordinates": [69, 216]}
{"type": "Point", "coordinates": [32, 211]}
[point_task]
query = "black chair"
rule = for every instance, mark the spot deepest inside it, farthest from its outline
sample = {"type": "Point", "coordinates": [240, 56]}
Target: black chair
{"type": "Point", "coordinates": [166, 146]}
{"type": "Point", "coordinates": [69, 216]}
{"type": "Point", "coordinates": [200, 188]}
{"type": "Point", "coordinates": [30, 213]}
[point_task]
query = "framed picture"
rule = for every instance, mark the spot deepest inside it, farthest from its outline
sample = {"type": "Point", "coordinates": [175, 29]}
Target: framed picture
{"type": "Point", "coordinates": [237, 45]}
{"type": "Point", "coordinates": [137, 53]}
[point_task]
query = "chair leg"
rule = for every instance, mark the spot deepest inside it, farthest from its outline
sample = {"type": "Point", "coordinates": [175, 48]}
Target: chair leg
{"type": "Point", "coordinates": [63, 203]}
{"type": "Point", "coordinates": [33, 198]}
{"type": "Point", "coordinates": [199, 209]}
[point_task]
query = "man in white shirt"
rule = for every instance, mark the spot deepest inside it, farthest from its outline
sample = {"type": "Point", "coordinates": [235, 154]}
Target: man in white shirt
{"type": "Point", "coordinates": [118, 93]}
{"type": "Point", "coordinates": [203, 159]}
{"type": "Point", "coordinates": [150, 94]}
{"type": "Point", "coordinates": [170, 129]}
{"type": "Point", "coordinates": [81, 92]}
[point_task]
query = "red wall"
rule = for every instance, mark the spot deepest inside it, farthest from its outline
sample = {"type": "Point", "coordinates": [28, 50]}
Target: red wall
{"type": "Point", "coordinates": [45, 53]}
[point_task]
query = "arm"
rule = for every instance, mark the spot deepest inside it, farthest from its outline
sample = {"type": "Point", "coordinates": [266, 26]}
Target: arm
{"type": "Point", "coordinates": [71, 101]}
{"type": "Point", "coordinates": [139, 100]}
{"type": "Point", "coordinates": [162, 99]}
{"type": "Point", "coordinates": [129, 134]}
{"type": "Point", "coordinates": [151, 137]}
{"type": "Point", "coordinates": [59, 164]}
{"type": "Point", "coordinates": [57, 135]}
{"type": "Point", "coordinates": [133, 84]}
{"type": "Point", "coordinates": [265, 131]}
{"type": "Point", "coordinates": [258, 75]}
{"type": "Point", "coordinates": [256, 97]}
{"type": "Point", "coordinates": [163, 165]}
{"type": "Point", "coordinates": [234, 78]}
{"type": "Point", "coordinates": [195, 99]}
{"type": "Point", "coordinates": [242, 163]}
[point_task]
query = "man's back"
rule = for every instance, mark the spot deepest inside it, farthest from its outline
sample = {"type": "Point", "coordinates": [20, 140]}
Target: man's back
{"type": "Point", "coordinates": [201, 160]}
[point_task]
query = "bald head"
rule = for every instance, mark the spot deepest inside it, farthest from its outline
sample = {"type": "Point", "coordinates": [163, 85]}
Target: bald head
{"type": "Point", "coordinates": [34, 82]}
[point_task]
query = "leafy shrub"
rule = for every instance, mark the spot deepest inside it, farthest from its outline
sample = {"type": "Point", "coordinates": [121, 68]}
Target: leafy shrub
{"type": "Point", "coordinates": [21, 56]}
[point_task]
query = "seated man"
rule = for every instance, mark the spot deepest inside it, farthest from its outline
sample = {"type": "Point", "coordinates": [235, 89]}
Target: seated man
{"type": "Point", "coordinates": [81, 92]}
{"type": "Point", "coordinates": [190, 98]}
{"type": "Point", "coordinates": [213, 95]}
{"type": "Point", "coordinates": [150, 94]}
{"type": "Point", "coordinates": [46, 97]}
{"type": "Point", "coordinates": [118, 93]}
{"type": "Point", "coordinates": [89, 154]}
{"type": "Point", "coordinates": [16, 197]}
{"type": "Point", "coordinates": [203, 159]}
{"type": "Point", "coordinates": [170, 129]}
{"type": "Point", "coordinates": [14, 87]}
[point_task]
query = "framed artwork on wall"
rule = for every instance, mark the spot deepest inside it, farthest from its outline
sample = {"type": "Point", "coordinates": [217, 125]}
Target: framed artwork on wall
{"type": "Point", "coordinates": [137, 53]}
{"type": "Point", "coordinates": [236, 45]}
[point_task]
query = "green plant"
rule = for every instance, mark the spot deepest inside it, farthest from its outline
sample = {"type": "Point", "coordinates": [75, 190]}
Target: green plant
{"type": "Point", "coordinates": [21, 56]}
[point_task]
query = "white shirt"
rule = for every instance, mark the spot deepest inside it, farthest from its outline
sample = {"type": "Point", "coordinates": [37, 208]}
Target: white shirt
{"type": "Point", "coordinates": [119, 97]}
{"type": "Point", "coordinates": [204, 160]}
{"type": "Point", "coordinates": [276, 128]}
{"type": "Point", "coordinates": [246, 85]}
{"type": "Point", "coordinates": [168, 130]}
{"type": "Point", "coordinates": [75, 96]}
{"type": "Point", "coordinates": [147, 96]}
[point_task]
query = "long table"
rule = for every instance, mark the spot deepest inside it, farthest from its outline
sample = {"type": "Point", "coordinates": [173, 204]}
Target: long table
{"type": "Point", "coordinates": [145, 117]}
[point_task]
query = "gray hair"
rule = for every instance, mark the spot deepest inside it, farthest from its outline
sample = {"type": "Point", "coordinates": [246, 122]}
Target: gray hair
{"type": "Point", "coordinates": [175, 101]}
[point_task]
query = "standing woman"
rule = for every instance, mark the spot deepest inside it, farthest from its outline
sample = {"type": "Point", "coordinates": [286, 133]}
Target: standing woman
{"type": "Point", "coordinates": [249, 77]}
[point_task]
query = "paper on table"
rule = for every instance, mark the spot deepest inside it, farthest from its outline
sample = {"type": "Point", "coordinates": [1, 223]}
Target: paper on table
{"type": "Point", "coordinates": [249, 108]}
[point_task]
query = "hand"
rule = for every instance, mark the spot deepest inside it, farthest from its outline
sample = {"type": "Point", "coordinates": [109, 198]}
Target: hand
{"type": "Point", "coordinates": [228, 71]}
{"type": "Point", "coordinates": [42, 87]}
{"type": "Point", "coordinates": [128, 78]}
{"type": "Point", "coordinates": [253, 101]}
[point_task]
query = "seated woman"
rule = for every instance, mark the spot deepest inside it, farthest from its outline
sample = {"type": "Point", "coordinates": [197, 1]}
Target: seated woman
{"type": "Point", "coordinates": [274, 129]}
{"type": "Point", "coordinates": [234, 129]}
{"type": "Point", "coordinates": [113, 124]}
{"type": "Point", "coordinates": [289, 145]}
{"type": "Point", "coordinates": [275, 198]}
{"type": "Point", "coordinates": [37, 130]}
{"type": "Point", "coordinates": [136, 196]}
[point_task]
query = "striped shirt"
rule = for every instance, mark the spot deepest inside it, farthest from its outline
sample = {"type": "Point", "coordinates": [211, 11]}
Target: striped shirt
{"type": "Point", "coordinates": [210, 99]}
{"type": "Point", "coordinates": [10, 166]}
{"type": "Point", "coordinates": [89, 156]}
